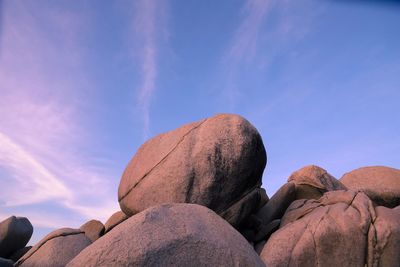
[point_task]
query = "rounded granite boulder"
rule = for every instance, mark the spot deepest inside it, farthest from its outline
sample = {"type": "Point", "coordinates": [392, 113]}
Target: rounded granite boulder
{"type": "Point", "coordinates": [381, 184]}
{"type": "Point", "coordinates": [171, 235]}
{"type": "Point", "coordinates": [15, 233]}
{"type": "Point", "coordinates": [216, 162]}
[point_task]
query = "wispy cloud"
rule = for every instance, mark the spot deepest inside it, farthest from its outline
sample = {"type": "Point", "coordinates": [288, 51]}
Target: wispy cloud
{"type": "Point", "coordinates": [42, 125]}
{"type": "Point", "coordinates": [149, 28]}
{"type": "Point", "coordinates": [243, 47]}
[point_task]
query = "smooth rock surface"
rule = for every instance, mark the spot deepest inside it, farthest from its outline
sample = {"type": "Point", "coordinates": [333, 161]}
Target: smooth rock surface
{"type": "Point", "coordinates": [93, 229]}
{"type": "Point", "coordinates": [214, 162]}
{"type": "Point", "coordinates": [115, 219]}
{"type": "Point", "coordinates": [15, 233]}
{"type": "Point", "coordinates": [313, 181]}
{"type": "Point", "coordinates": [171, 235]}
{"type": "Point", "coordinates": [381, 184]}
{"type": "Point", "coordinates": [56, 249]}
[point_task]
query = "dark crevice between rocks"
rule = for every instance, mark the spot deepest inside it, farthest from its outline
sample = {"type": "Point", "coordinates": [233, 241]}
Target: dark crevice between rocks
{"type": "Point", "coordinates": [223, 210]}
{"type": "Point", "coordinates": [372, 254]}
{"type": "Point", "coordinates": [163, 159]}
{"type": "Point", "coordinates": [34, 249]}
{"type": "Point", "coordinates": [351, 204]}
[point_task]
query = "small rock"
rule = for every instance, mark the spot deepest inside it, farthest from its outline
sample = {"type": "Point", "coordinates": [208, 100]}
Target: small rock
{"type": "Point", "coordinates": [115, 219]}
{"type": "Point", "coordinates": [93, 229]}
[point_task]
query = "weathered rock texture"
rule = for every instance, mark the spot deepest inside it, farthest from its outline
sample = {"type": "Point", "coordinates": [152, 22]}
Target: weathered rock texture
{"type": "Point", "coordinates": [171, 235]}
{"type": "Point", "coordinates": [215, 162]}
{"type": "Point", "coordinates": [313, 181]}
{"type": "Point", "coordinates": [15, 233]}
{"type": "Point", "coordinates": [93, 229]}
{"type": "Point", "coordinates": [381, 184]}
{"type": "Point", "coordinates": [56, 249]}
{"type": "Point", "coordinates": [342, 228]}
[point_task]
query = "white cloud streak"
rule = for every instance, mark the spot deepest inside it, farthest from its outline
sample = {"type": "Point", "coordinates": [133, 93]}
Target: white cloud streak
{"type": "Point", "coordinates": [149, 26]}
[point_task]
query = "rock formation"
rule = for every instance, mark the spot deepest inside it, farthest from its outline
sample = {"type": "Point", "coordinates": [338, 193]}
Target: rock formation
{"type": "Point", "coordinates": [193, 196]}
{"type": "Point", "coordinates": [217, 162]}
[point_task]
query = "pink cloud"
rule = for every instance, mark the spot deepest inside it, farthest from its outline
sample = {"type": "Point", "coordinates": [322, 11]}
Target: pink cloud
{"type": "Point", "coordinates": [42, 130]}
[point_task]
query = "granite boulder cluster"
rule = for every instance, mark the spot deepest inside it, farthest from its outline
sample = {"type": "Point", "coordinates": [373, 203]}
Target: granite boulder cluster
{"type": "Point", "coordinates": [193, 196]}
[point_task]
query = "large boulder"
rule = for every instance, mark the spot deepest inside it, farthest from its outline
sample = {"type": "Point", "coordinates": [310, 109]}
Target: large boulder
{"type": "Point", "coordinates": [170, 235]}
{"type": "Point", "coordinates": [115, 219]}
{"type": "Point", "coordinates": [15, 233]}
{"type": "Point", "coordinates": [215, 162]}
{"type": "Point", "coordinates": [56, 249]}
{"type": "Point", "coordinates": [381, 184]}
{"type": "Point", "coordinates": [342, 228]}
{"type": "Point", "coordinates": [313, 181]}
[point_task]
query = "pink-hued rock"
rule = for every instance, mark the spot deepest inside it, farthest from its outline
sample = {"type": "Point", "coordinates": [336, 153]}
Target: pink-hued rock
{"type": "Point", "coordinates": [93, 229]}
{"type": "Point", "coordinates": [342, 228]}
{"type": "Point", "coordinates": [313, 181]}
{"type": "Point", "coordinates": [381, 184]}
{"type": "Point", "coordinates": [214, 162]}
{"type": "Point", "coordinates": [171, 235]}
{"type": "Point", "coordinates": [56, 249]}
{"type": "Point", "coordinates": [115, 219]}
{"type": "Point", "coordinates": [384, 238]}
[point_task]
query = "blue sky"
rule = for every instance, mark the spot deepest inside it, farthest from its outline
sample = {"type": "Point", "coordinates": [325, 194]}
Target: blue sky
{"type": "Point", "coordinates": [84, 84]}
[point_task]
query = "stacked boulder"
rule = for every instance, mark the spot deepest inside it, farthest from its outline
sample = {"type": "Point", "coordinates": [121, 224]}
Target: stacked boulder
{"type": "Point", "coordinates": [217, 162]}
{"type": "Point", "coordinates": [193, 196]}
{"type": "Point", "coordinates": [15, 233]}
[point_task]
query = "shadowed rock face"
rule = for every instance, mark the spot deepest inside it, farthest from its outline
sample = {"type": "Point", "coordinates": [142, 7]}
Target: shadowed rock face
{"type": "Point", "coordinates": [381, 184]}
{"type": "Point", "coordinates": [171, 235]}
{"type": "Point", "coordinates": [214, 162]}
{"type": "Point", "coordinates": [15, 233]}
{"type": "Point", "coordinates": [342, 228]}
{"type": "Point", "coordinates": [55, 249]}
